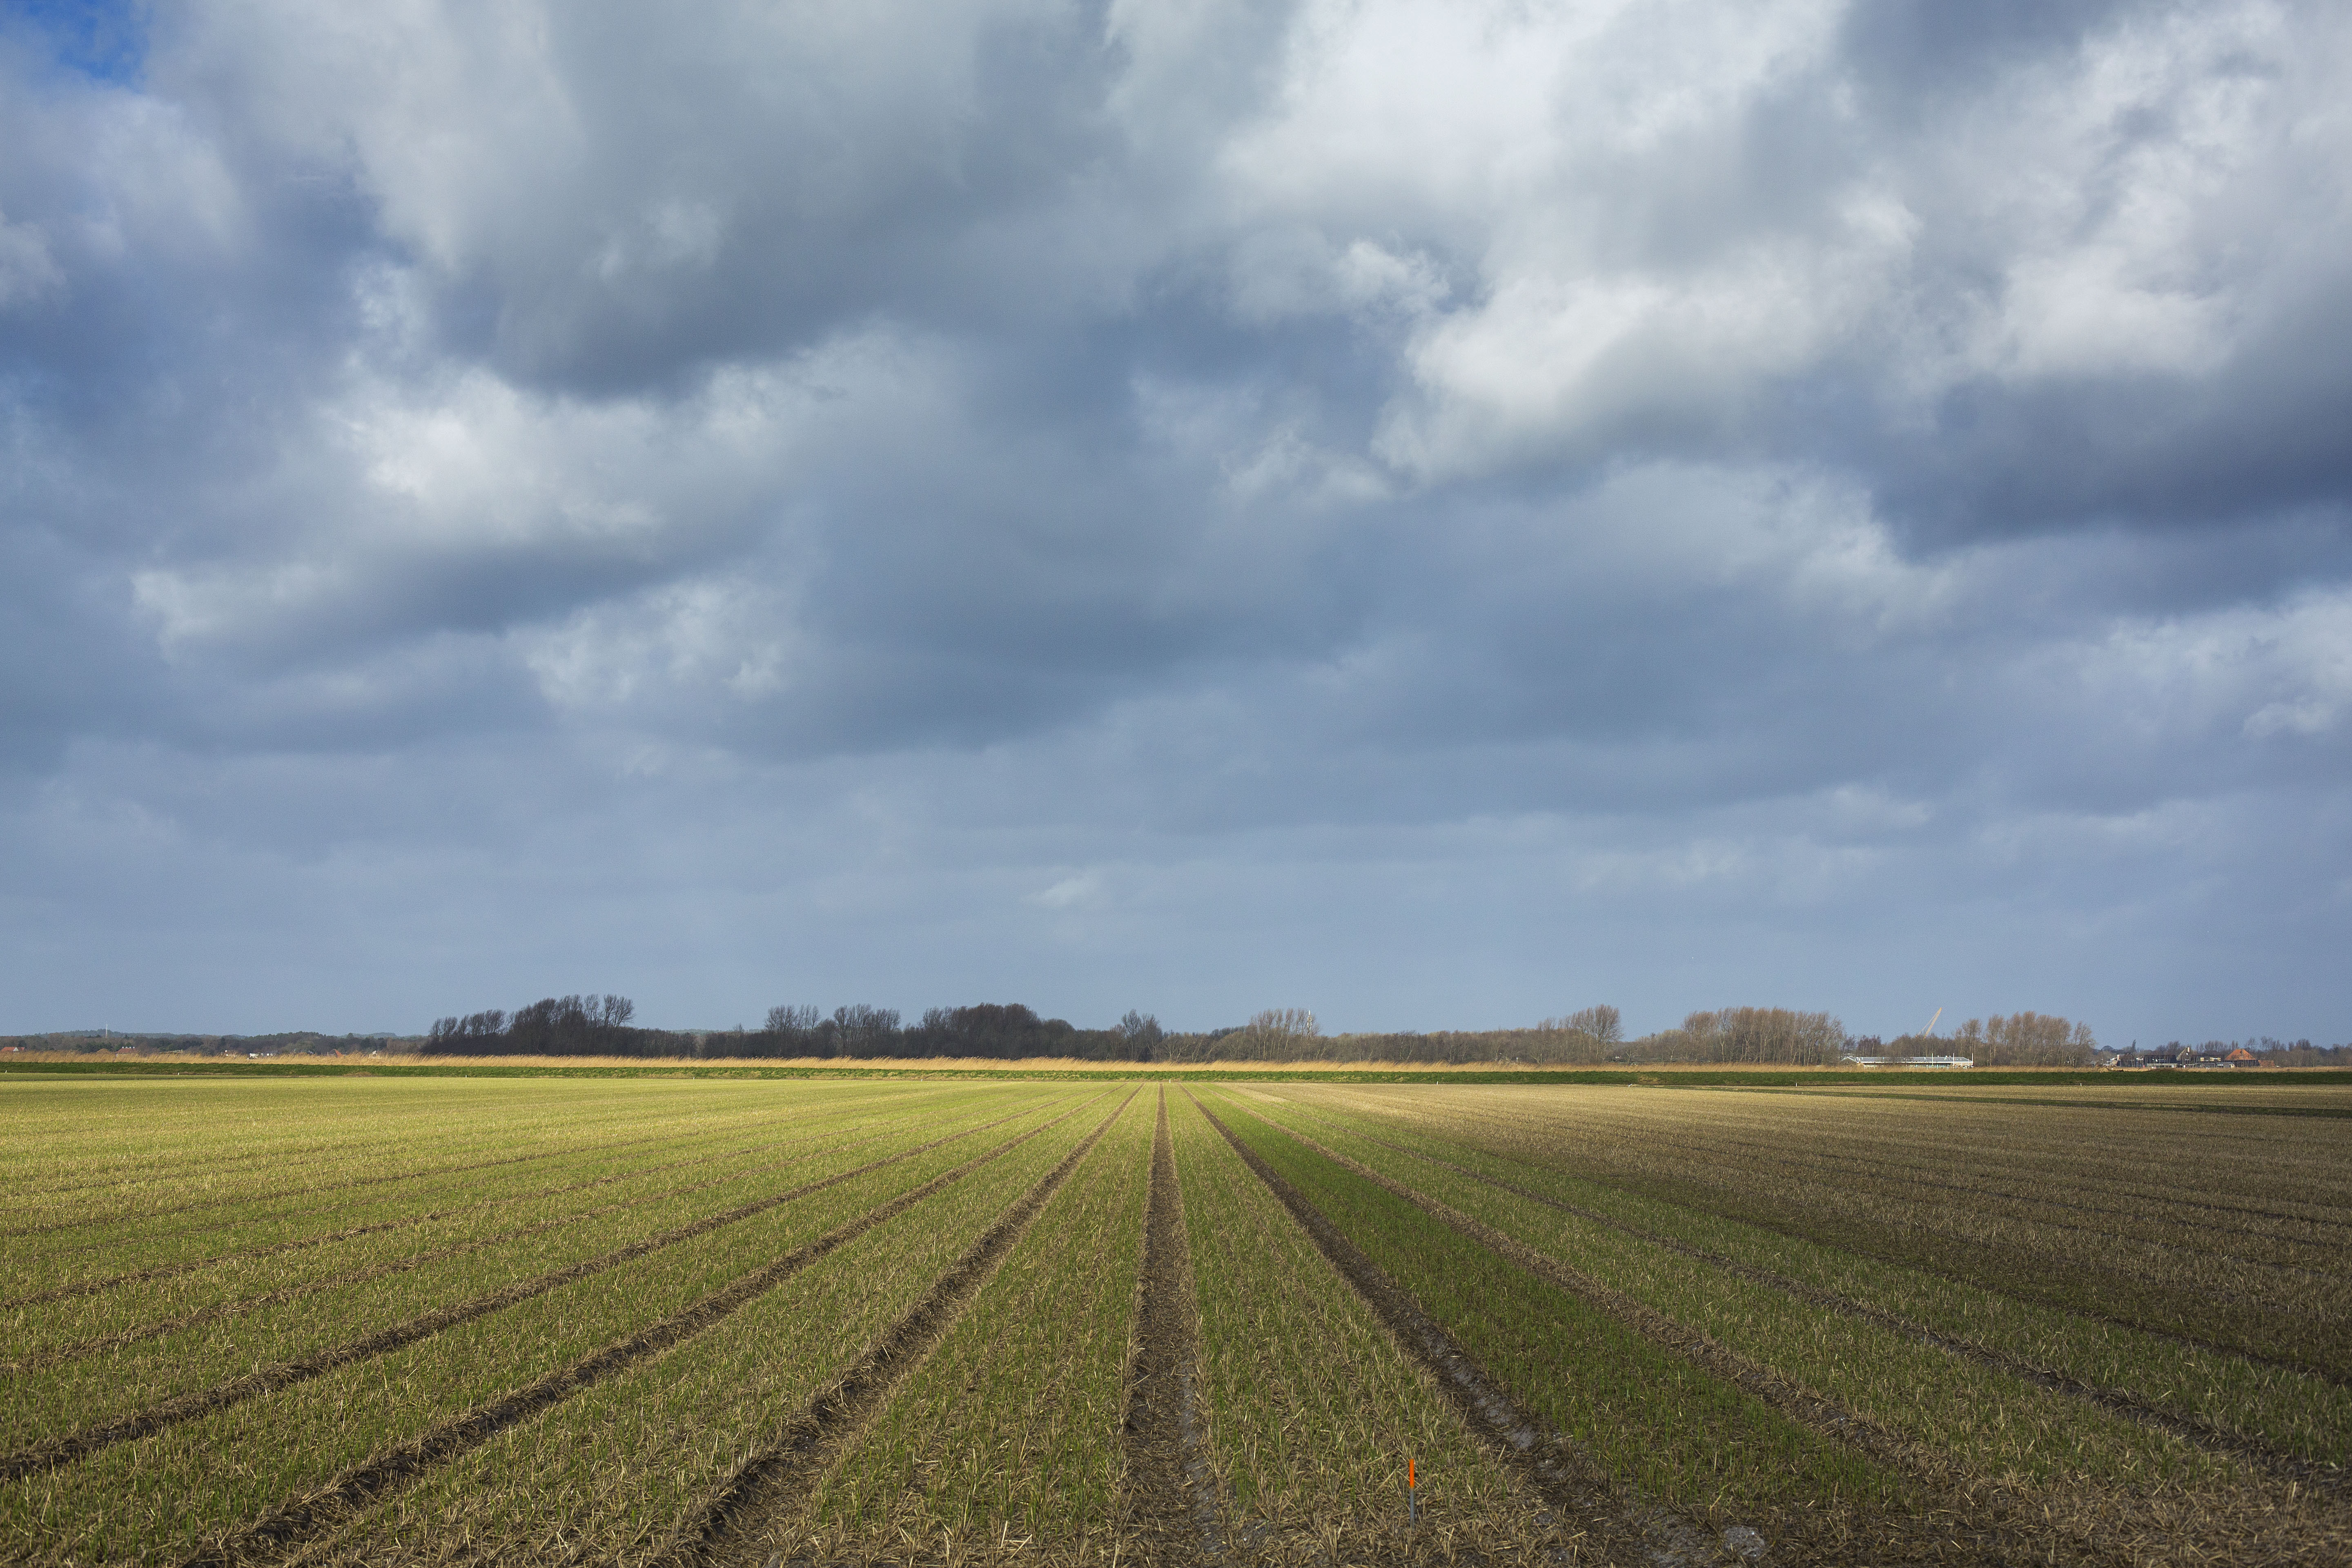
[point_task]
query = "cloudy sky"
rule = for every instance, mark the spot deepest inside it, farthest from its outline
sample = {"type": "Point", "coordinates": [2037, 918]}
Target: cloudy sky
{"type": "Point", "coordinates": [1438, 513]}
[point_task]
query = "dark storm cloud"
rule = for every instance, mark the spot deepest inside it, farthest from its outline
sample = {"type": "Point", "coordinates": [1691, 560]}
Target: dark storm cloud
{"type": "Point", "coordinates": [1038, 477]}
{"type": "Point", "coordinates": [1907, 50]}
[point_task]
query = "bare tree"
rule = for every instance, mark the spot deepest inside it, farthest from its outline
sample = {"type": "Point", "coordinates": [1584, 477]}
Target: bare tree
{"type": "Point", "coordinates": [1600, 1021]}
{"type": "Point", "coordinates": [2029, 1039]}
{"type": "Point", "coordinates": [1279, 1034]}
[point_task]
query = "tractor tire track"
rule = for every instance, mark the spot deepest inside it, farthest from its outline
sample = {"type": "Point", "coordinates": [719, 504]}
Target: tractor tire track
{"type": "Point", "coordinates": [2262, 1457]}
{"type": "Point", "coordinates": [288, 1528]}
{"type": "Point", "coordinates": [1568, 1479]}
{"type": "Point", "coordinates": [65, 1451]}
{"type": "Point", "coordinates": [1171, 1493]}
{"type": "Point", "coordinates": [731, 1526]}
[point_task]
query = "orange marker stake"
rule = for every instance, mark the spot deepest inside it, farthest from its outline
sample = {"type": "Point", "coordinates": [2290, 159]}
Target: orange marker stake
{"type": "Point", "coordinates": [1412, 1494]}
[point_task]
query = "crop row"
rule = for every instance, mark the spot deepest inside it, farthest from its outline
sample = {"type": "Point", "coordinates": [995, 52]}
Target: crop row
{"type": "Point", "coordinates": [922, 1324]}
{"type": "Point", "coordinates": [235, 1143]}
{"type": "Point", "coordinates": [2292, 1412]}
{"type": "Point", "coordinates": [202, 1475]}
{"type": "Point", "coordinates": [109, 1303]}
{"type": "Point", "coordinates": [1961, 1426]}
{"type": "Point", "coordinates": [298, 1205]}
{"type": "Point", "coordinates": [2262, 1313]}
{"type": "Point", "coordinates": [1312, 1410]}
{"type": "Point", "coordinates": [1003, 1428]}
{"type": "Point", "coordinates": [615, 1474]}
{"type": "Point", "coordinates": [168, 1369]}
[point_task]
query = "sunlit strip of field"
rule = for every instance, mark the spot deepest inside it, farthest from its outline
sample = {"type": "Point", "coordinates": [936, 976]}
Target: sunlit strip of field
{"type": "Point", "coordinates": [1002, 1426]}
{"type": "Point", "coordinates": [656, 1320]}
{"type": "Point", "coordinates": [626, 1471]}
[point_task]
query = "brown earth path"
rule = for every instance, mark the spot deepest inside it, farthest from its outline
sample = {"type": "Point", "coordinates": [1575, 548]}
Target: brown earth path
{"type": "Point", "coordinates": [1169, 1502]}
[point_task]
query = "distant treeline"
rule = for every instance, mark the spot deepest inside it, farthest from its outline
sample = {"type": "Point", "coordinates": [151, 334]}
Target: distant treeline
{"type": "Point", "coordinates": [594, 1026]}
{"type": "Point", "coordinates": [1761, 1035]}
{"type": "Point", "coordinates": [605, 1026]}
{"type": "Point", "coordinates": [2019, 1040]}
{"type": "Point", "coordinates": [600, 1027]}
{"type": "Point", "coordinates": [1292, 1035]}
{"type": "Point", "coordinates": [296, 1043]}
{"type": "Point", "coordinates": [1729, 1036]}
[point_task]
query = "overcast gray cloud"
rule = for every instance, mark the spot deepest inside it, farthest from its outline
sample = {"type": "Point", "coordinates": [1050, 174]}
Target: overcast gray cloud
{"type": "Point", "coordinates": [1437, 513]}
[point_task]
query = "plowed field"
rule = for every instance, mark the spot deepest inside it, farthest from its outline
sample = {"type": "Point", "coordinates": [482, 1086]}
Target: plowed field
{"type": "Point", "coordinates": [651, 1320]}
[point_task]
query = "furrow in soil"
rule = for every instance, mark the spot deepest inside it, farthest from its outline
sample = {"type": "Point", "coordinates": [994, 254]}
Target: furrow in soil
{"type": "Point", "coordinates": [1171, 1501]}
{"type": "Point", "coordinates": [737, 1523]}
{"type": "Point", "coordinates": [75, 1445]}
{"type": "Point", "coordinates": [1566, 1477]}
{"type": "Point", "coordinates": [290, 1527]}
{"type": "Point", "coordinates": [2258, 1456]}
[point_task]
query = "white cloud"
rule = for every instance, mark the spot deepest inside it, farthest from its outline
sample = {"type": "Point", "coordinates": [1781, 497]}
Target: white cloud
{"type": "Point", "coordinates": [2120, 193]}
{"type": "Point", "coordinates": [1557, 362]}
{"type": "Point", "coordinates": [691, 642]}
{"type": "Point", "coordinates": [2219, 682]}
{"type": "Point", "coordinates": [1071, 892]}
{"type": "Point", "coordinates": [1406, 483]}
{"type": "Point", "coordinates": [463, 476]}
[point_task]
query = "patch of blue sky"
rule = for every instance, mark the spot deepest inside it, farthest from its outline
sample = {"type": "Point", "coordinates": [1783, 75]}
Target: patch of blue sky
{"type": "Point", "coordinates": [103, 39]}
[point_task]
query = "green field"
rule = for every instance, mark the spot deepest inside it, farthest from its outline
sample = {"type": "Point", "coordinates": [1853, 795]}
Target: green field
{"type": "Point", "coordinates": [640, 1319]}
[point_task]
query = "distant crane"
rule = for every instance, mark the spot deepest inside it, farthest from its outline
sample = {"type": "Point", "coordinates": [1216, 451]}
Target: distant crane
{"type": "Point", "coordinates": [1931, 1023]}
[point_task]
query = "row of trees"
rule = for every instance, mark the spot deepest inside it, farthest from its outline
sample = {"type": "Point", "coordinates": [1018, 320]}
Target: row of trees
{"type": "Point", "coordinates": [1005, 1031]}
{"type": "Point", "coordinates": [555, 1026]}
{"type": "Point", "coordinates": [1768, 1036]}
{"type": "Point", "coordinates": [605, 1026]}
{"type": "Point", "coordinates": [1292, 1035]}
{"type": "Point", "coordinates": [583, 1025]}
{"type": "Point", "coordinates": [2018, 1040]}
{"type": "Point", "coordinates": [593, 1026]}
